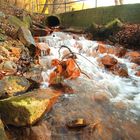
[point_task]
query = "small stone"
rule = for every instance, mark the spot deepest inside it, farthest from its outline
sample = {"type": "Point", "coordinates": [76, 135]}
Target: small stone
{"type": "Point", "coordinates": [120, 105]}
{"type": "Point", "coordinates": [138, 73]}
{"type": "Point", "coordinates": [101, 96]}
{"type": "Point", "coordinates": [42, 49]}
{"type": "Point", "coordinates": [77, 123]}
{"type": "Point", "coordinates": [102, 48]}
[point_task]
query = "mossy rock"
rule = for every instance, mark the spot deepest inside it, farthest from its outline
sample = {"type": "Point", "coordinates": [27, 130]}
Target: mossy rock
{"type": "Point", "coordinates": [11, 85]}
{"type": "Point", "coordinates": [2, 132]}
{"type": "Point", "coordinates": [17, 22]}
{"type": "Point", "coordinates": [27, 109]}
{"type": "Point", "coordinates": [27, 21]}
{"type": "Point", "coordinates": [27, 39]}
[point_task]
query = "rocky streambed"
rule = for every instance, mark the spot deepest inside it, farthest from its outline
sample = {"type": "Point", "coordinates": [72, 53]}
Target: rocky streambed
{"type": "Point", "coordinates": [102, 103]}
{"type": "Point", "coordinates": [60, 85]}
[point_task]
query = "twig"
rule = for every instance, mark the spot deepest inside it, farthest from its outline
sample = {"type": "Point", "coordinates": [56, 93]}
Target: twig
{"type": "Point", "coordinates": [72, 54]}
{"type": "Point", "coordinates": [63, 46]}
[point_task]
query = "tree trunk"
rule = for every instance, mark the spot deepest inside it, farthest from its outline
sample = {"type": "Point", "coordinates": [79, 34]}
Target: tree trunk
{"type": "Point", "coordinates": [118, 2]}
{"type": "Point", "coordinates": [45, 7]}
{"type": "Point", "coordinates": [54, 6]}
{"type": "Point", "coordinates": [121, 2]}
{"type": "Point", "coordinates": [15, 3]}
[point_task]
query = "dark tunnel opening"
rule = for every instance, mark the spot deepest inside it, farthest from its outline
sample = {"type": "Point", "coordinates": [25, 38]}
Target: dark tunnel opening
{"type": "Point", "coordinates": [52, 21]}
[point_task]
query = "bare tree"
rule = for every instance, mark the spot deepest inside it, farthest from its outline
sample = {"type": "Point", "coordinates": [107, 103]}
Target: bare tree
{"type": "Point", "coordinates": [54, 7]}
{"type": "Point", "coordinates": [118, 2]}
{"type": "Point", "coordinates": [15, 2]}
{"type": "Point", "coordinates": [45, 7]}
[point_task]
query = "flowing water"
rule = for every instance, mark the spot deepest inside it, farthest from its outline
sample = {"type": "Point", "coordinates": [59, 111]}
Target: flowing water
{"type": "Point", "coordinates": [116, 89]}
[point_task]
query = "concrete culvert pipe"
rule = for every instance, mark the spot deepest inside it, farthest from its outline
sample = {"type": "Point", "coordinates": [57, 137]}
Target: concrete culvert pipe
{"type": "Point", "coordinates": [52, 21]}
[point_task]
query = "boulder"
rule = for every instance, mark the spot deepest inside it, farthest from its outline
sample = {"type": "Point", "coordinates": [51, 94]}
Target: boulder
{"type": "Point", "coordinates": [136, 60]}
{"type": "Point", "coordinates": [108, 61]}
{"type": "Point", "coordinates": [11, 85]}
{"type": "Point", "coordinates": [27, 39]}
{"type": "Point", "coordinates": [134, 56]}
{"type": "Point", "coordinates": [16, 22]}
{"type": "Point", "coordinates": [120, 51]}
{"type": "Point", "coordinates": [2, 132]}
{"type": "Point", "coordinates": [27, 109]}
{"type": "Point", "coordinates": [120, 69]}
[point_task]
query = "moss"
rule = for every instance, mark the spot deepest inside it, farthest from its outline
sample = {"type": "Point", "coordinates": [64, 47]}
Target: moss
{"type": "Point", "coordinates": [14, 84]}
{"type": "Point", "coordinates": [16, 22]}
{"type": "Point", "coordinates": [101, 15]}
{"type": "Point", "coordinates": [26, 109]}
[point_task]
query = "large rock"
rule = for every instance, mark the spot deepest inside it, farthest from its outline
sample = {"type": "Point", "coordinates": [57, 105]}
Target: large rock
{"type": "Point", "coordinates": [11, 85]}
{"type": "Point", "coordinates": [26, 38]}
{"type": "Point", "coordinates": [28, 108]}
{"type": "Point", "coordinates": [2, 132]}
{"type": "Point", "coordinates": [13, 20]}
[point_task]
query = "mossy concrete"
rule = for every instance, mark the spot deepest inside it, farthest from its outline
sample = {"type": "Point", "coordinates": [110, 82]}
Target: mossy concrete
{"type": "Point", "coordinates": [127, 13]}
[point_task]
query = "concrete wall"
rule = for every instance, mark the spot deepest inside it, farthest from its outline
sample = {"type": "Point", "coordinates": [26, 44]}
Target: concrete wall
{"type": "Point", "coordinates": [127, 13]}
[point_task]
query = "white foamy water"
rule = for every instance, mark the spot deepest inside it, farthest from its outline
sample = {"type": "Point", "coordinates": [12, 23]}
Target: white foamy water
{"type": "Point", "coordinates": [126, 90]}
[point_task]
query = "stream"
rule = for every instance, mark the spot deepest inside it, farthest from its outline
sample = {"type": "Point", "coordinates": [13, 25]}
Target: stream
{"type": "Point", "coordinates": [108, 100]}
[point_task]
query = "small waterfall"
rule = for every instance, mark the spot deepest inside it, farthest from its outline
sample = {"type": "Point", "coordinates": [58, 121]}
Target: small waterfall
{"type": "Point", "coordinates": [126, 90]}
